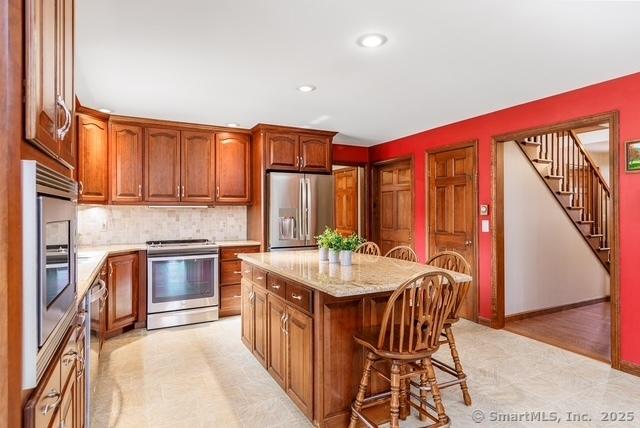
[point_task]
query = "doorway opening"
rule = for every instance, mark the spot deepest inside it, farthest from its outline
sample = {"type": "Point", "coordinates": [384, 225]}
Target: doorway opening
{"type": "Point", "coordinates": [556, 236]}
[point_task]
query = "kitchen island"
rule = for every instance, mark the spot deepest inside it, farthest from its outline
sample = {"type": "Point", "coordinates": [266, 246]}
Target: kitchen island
{"type": "Point", "coordinates": [299, 316]}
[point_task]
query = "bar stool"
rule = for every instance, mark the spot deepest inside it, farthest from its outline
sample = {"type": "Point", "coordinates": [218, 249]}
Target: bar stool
{"type": "Point", "coordinates": [407, 337]}
{"type": "Point", "coordinates": [454, 261]}
{"type": "Point", "coordinates": [368, 247]}
{"type": "Point", "coordinates": [402, 252]}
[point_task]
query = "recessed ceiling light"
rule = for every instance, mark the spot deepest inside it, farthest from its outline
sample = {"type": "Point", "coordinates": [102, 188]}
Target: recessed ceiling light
{"type": "Point", "coordinates": [104, 110]}
{"type": "Point", "coordinates": [233, 125]}
{"type": "Point", "coordinates": [306, 88]}
{"type": "Point", "coordinates": [372, 40]}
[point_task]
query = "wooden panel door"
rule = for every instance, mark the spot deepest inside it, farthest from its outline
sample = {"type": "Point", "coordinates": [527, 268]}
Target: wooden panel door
{"type": "Point", "coordinates": [260, 325]}
{"type": "Point", "coordinates": [276, 361]}
{"type": "Point", "coordinates": [65, 78]}
{"type": "Point", "coordinates": [246, 314]}
{"type": "Point", "coordinates": [93, 161]}
{"type": "Point", "coordinates": [346, 200]}
{"type": "Point", "coordinates": [233, 168]}
{"type": "Point", "coordinates": [394, 200]}
{"type": "Point", "coordinates": [122, 301]}
{"type": "Point", "coordinates": [41, 117]}
{"type": "Point", "coordinates": [162, 165]}
{"type": "Point", "coordinates": [198, 167]}
{"type": "Point", "coordinates": [452, 209]}
{"type": "Point", "coordinates": [81, 382]}
{"type": "Point", "coordinates": [125, 161]}
{"type": "Point", "coordinates": [315, 153]}
{"type": "Point", "coordinates": [283, 152]}
{"type": "Point", "coordinates": [299, 382]}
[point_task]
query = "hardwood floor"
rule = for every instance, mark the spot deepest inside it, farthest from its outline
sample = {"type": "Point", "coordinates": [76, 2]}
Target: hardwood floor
{"type": "Point", "coordinates": [585, 330]}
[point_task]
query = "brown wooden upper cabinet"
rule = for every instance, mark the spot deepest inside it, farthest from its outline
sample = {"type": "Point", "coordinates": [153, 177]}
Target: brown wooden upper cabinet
{"type": "Point", "coordinates": [162, 165]}
{"type": "Point", "coordinates": [93, 173]}
{"type": "Point", "coordinates": [50, 95]}
{"type": "Point", "coordinates": [125, 163]}
{"type": "Point", "coordinates": [298, 152]}
{"type": "Point", "coordinates": [198, 165]}
{"type": "Point", "coordinates": [233, 168]}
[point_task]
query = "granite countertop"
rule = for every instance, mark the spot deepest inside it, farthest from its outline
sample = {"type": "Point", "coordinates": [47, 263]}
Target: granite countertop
{"type": "Point", "coordinates": [91, 259]}
{"type": "Point", "coordinates": [367, 275]}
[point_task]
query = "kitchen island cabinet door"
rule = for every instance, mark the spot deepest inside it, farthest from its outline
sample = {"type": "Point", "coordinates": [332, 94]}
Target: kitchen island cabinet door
{"type": "Point", "coordinates": [276, 357]}
{"type": "Point", "coordinates": [299, 382]}
{"type": "Point", "coordinates": [125, 163]}
{"type": "Point", "coordinates": [260, 325]}
{"type": "Point", "coordinates": [247, 313]}
{"type": "Point", "coordinates": [162, 165]}
{"type": "Point", "coordinates": [233, 168]}
{"type": "Point", "coordinates": [122, 301]}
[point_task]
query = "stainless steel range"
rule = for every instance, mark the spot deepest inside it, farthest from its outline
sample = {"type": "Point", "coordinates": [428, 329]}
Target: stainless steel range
{"type": "Point", "coordinates": [182, 282]}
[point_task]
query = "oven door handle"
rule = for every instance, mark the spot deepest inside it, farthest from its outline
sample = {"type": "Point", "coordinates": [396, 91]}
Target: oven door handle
{"type": "Point", "coordinates": [152, 259]}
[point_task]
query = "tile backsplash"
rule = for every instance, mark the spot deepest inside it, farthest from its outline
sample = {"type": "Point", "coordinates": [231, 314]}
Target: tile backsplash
{"type": "Point", "coordinates": [104, 225]}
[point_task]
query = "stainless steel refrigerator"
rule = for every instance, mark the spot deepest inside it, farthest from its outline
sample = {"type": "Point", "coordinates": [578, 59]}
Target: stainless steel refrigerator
{"type": "Point", "coordinates": [300, 207]}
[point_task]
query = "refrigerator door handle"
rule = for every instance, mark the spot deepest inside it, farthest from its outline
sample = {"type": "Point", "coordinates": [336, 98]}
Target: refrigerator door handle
{"type": "Point", "coordinates": [301, 204]}
{"type": "Point", "coordinates": [308, 208]}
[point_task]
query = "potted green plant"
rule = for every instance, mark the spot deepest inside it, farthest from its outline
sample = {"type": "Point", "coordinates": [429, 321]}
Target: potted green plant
{"type": "Point", "coordinates": [323, 243]}
{"type": "Point", "coordinates": [349, 245]}
{"type": "Point", "coordinates": [335, 246]}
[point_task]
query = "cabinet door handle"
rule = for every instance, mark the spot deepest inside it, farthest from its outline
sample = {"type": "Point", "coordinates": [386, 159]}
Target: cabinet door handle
{"type": "Point", "coordinates": [50, 406]}
{"type": "Point", "coordinates": [183, 191]}
{"type": "Point", "coordinates": [296, 296]}
{"type": "Point", "coordinates": [282, 322]}
{"type": "Point", "coordinates": [80, 187]}
{"type": "Point", "coordinates": [62, 132]}
{"type": "Point", "coordinates": [69, 357]}
{"type": "Point", "coordinates": [110, 269]}
{"type": "Point", "coordinates": [139, 190]}
{"type": "Point", "coordinates": [286, 324]}
{"type": "Point", "coordinates": [217, 191]}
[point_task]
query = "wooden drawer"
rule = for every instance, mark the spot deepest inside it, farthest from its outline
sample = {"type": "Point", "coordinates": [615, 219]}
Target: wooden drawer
{"type": "Point", "coordinates": [68, 358]}
{"type": "Point", "coordinates": [230, 272]}
{"type": "Point", "coordinates": [299, 296]}
{"type": "Point", "coordinates": [230, 300]}
{"type": "Point", "coordinates": [259, 277]}
{"type": "Point", "coordinates": [231, 253]}
{"type": "Point", "coordinates": [247, 270]}
{"type": "Point", "coordinates": [47, 399]}
{"type": "Point", "coordinates": [276, 285]}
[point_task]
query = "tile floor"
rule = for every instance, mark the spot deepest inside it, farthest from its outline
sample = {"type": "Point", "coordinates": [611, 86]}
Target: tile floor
{"type": "Point", "coordinates": [203, 376]}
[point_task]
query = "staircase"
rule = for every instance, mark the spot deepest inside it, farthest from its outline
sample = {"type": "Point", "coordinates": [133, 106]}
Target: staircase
{"type": "Point", "coordinates": [576, 182]}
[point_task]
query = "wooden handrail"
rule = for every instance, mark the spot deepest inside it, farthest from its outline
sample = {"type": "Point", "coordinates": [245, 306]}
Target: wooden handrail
{"type": "Point", "coordinates": [591, 161]}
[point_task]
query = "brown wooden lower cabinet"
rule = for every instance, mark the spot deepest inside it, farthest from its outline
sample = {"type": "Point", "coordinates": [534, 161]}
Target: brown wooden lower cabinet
{"type": "Point", "coordinates": [311, 353]}
{"type": "Point", "coordinates": [230, 275]}
{"type": "Point", "coordinates": [122, 283]}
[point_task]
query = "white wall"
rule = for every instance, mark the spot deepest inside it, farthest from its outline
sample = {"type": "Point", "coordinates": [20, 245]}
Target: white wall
{"type": "Point", "coordinates": [547, 262]}
{"type": "Point", "coordinates": [103, 225]}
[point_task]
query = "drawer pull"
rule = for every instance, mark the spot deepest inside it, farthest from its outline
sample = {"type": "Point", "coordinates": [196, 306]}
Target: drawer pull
{"type": "Point", "coordinates": [259, 278]}
{"type": "Point", "coordinates": [237, 272]}
{"type": "Point", "coordinates": [237, 297]}
{"type": "Point", "coordinates": [275, 286]}
{"type": "Point", "coordinates": [235, 254]}
{"type": "Point", "coordinates": [296, 296]}
{"type": "Point", "coordinates": [50, 406]}
{"type": "Point", "coordinates": [247, 271]}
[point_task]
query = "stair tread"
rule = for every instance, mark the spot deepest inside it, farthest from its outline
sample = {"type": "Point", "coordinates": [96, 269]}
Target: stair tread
{"type": "Point", "coordinates": [564, 192]}
{"type": "Point", "coordinates": [541, 160]}
{"type": "Point", "coordinates": [554, 177]}
{"type": "Point", "coordinates": [604, 249]}
{"type": "Point", "coordinates": [596, 235]}
{"type": "Point", "coordinates": [585, 221]}
{"type": "Point", "coordinates": [575, 208]}
{"type": "Point", "coordinates": [530, 143]}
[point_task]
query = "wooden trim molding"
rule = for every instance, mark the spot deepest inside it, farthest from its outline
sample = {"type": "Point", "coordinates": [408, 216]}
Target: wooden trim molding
{"type": "Point", "coordinates": [157, 123]}
{"type": "Point", "coordinates": [498, 286]}
{"type": "Point", "coordinates": [538, 312]}
{"type": "Point", "coordinates": [629, 367]}
{"type": "Point", "coordinates": [293, 129]}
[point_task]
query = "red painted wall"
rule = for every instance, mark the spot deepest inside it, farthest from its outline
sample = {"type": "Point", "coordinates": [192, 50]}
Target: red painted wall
{"type": "Point", "coordinates": [622, 95]}
{"type": "Point", "coordinates": [349, 155]}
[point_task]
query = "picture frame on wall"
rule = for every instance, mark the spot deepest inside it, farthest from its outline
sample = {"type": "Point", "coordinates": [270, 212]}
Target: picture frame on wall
{"type": "Point", "coordinates": [633, 156]}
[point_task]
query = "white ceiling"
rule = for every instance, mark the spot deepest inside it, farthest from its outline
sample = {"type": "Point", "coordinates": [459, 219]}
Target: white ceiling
{"type": "Point", "coordinates": [221, 61]}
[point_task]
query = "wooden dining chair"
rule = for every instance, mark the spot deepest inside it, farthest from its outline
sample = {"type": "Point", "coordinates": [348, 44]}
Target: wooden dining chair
{"type": "Point", "coordinates": [453, 261]}
{"type": "Point", "coordinates": [407, 337]}
{"type": "Point", "coordinates": [368, 247]}
{"type": "Point", "coordinates": [402, 252]}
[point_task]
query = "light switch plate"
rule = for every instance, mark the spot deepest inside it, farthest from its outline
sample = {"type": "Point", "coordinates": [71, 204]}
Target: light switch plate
{"type": "Point", "coordinates": [485, 225]}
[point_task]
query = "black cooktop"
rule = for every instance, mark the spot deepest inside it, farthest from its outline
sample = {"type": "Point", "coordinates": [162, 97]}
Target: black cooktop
{"type": "Point", "coordinates": [179, 242]}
